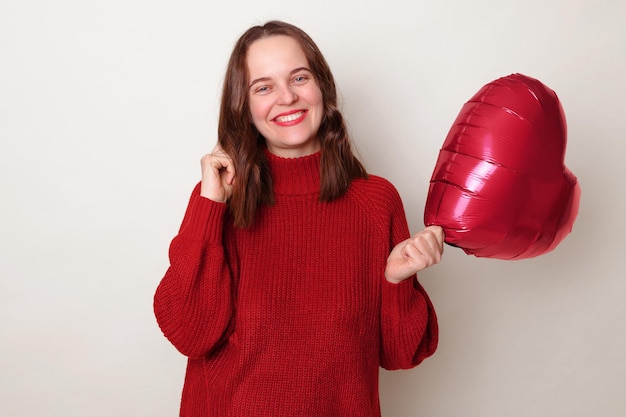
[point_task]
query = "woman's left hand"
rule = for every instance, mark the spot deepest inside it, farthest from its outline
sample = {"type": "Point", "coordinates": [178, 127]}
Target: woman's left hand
{"type": "Point", "coordinates": [419, 252]}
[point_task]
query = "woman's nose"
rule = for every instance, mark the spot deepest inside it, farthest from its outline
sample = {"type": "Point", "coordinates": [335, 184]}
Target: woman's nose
{"type": "Point", "coordinates": [287, 95]}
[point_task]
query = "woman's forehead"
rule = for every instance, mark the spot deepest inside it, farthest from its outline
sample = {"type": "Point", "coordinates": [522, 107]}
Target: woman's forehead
{"type": "Point", "coordinates": [274, 55]}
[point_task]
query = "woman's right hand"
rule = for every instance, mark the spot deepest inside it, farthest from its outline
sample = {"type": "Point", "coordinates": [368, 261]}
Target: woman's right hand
{"type": "Point", "coordinates": [218, 175]}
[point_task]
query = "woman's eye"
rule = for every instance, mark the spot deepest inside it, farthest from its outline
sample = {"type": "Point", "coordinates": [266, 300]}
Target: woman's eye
{"type": "Point", "coordinates": [300, 78]}
{"type": "Point", "coordinates": [262, 89]}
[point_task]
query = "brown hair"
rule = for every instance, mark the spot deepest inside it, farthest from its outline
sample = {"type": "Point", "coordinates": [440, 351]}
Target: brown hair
{"type": "Point", "coordinates": [240, 139]}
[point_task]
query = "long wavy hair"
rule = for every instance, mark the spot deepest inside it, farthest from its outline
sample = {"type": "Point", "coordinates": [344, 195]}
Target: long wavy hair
{"type": "Point", "coordinates": [240, 139]}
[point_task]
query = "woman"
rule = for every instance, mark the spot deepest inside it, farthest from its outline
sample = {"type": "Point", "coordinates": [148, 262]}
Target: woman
{"type": "Point", "coordinates": [292, 278]}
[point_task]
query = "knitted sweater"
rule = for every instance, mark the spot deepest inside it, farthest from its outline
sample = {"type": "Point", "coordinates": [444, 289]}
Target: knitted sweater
{"type": "Point", "coordinates": [292, 316]}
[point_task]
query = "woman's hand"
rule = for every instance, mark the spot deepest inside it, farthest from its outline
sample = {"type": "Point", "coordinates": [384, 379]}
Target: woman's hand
{"type": "Point", "coordinates": [414, 254]}
{"type": "Point", "coordinates": [218, 175]}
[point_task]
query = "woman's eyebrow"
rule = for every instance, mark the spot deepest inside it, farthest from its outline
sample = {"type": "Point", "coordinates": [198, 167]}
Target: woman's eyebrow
{"type": "Point", "coordinates": [301, 69]}
{"type": "Point", "coordinates": [259, 80]}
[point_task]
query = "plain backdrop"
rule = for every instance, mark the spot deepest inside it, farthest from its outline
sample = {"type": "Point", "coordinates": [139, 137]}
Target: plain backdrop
{"type": "Point", "coordinates": [106, 108]}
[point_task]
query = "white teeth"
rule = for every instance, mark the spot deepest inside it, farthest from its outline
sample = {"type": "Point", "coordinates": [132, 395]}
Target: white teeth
{"type": "Point", "coordinates": [289, 117]}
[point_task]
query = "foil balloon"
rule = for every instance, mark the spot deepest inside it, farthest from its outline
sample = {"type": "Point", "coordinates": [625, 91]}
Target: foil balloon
{"type": "Point", "coordinates": [500, 188]}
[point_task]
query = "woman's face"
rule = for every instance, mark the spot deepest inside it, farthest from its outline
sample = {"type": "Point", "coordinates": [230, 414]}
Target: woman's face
{"type": "Point", "coordinates": [285, 100]}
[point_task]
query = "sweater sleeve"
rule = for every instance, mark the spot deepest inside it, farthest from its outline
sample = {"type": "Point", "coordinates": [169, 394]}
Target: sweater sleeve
{"type": "Point", "coordinates": [193, 302]}
{"type": "Point", "coordinates": [409, 325]}
{"type": "Point", "coordinates": [409, 329]}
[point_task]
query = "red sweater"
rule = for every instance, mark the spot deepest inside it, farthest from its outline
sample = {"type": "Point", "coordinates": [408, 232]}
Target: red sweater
{"type": "Point", "coordinates": [292, 316]}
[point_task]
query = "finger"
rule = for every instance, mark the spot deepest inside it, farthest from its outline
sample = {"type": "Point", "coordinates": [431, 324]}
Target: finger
{"type": "Point", "coordinates": [217, 150]}
{"type": "Point", "coordinates": [426, 241]}
{"type": "Point", "coordinates": [219, 161]}
{"type": "Point", "coordinates": [439, 234]}
{"type": "Point", "coordinates": [411, 250]}
{"type": "Point", "coordinates": [428, 247]}
{"type": "Point", "coordinates": [229, 169]}
{"type": "Point", "coordinates": [415, 256]}
{"type": "Point", "coordinates": [220, 164]}
{"type": "Point", "coordinates": [218, 175]}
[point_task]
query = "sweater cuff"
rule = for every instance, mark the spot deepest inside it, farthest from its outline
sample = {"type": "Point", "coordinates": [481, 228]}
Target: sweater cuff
{"type": "Point", "coordinates": [401, 295]}
{"type": "Point", "coordinates": [204, 220]}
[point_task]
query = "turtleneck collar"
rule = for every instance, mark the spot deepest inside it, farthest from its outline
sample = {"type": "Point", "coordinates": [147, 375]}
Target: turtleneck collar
{"type": "Point", "coordinates": [296, 176]}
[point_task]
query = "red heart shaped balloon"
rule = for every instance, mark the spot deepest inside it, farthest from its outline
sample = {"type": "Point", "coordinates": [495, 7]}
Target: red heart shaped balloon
{"type": "Point", "coordinates": [500, 188]}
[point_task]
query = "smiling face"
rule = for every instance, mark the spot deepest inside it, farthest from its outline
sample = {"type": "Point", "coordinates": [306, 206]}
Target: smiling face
{"type": "Point", "coordinates": [286, 102]}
